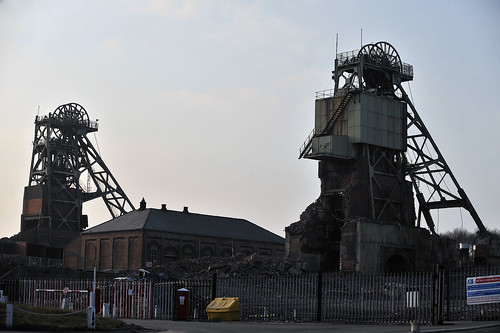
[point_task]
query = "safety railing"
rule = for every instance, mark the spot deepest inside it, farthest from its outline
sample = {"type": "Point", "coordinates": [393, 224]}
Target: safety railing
{"type": "Point", "coordinates": [325, 94]}
{"type": "Point", "coordinates": [69, 121]}
{"type": "Point", "coordinates": [348, 56]}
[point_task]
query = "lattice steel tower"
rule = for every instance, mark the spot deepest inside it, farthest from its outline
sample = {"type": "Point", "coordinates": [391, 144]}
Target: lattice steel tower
{"type": "Point", "coordinates": [365, 123]}
{"type": "Point", "coordinates": [375, 158]}
{"type": "Point", "coordinates": [65, 167]}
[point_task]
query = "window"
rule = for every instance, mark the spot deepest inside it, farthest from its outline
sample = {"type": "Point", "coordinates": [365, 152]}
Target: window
{"type": "Point", "coordinates": [153, 256]}
{"type": "Point", "coordinates": [188, 251]}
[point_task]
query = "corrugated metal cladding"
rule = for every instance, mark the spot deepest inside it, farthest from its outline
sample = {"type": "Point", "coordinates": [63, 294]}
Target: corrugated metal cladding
{"type": "Point", "coordinates": [322, 113]}
{"type": "Point", "coordinates": [334, 145]}
{"type": "Point", "coordinates": [367, 118]}
{"type": "Point", "coordinates": [377, 121]}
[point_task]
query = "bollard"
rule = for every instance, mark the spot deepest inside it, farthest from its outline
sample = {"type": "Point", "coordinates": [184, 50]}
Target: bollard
{"type": "Point", "coordinates": [414, 327]}
{"type": "Point", "coordinates": [65, 303]}
{"type": "Point", "coordinates": [91, 313]}
{"type": "Point", "coordinates": [105, 310]}
{"type": "Point", "coordinates": [91, 318]}
{"type": "Point", "coordinates": [3, 298]}
{"type": "Point", "coordinates": [10, 315]}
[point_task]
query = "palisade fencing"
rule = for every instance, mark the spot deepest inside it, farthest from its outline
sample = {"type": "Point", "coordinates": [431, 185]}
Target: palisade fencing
{"type": "Point", "coordinates": [292, 298]}
{"type": "Point", "coordinates": [422, 297]}
{"type": "Point", "coordinates": [395, 298]}
{"type": "Point", "coordinates": [127, 298]}
{"type": "Point", "coordinates": [200, 295]}
{"type": "Point", "coordinates": [455, 296]}
{"type": "Point", "coordinates": [383, 298]}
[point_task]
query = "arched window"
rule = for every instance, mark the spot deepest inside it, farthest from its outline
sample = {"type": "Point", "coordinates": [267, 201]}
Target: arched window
{"type": "Point", "coordinates": [152, 254]}
{"type": "Point", "coordinates": [226, 252]}
{"type": "Point", "coordinates": [207, 251]}
{"type": "Point", "coordinates": [171, 254]}
{"type": "Point", "coordinates": [188, 251]}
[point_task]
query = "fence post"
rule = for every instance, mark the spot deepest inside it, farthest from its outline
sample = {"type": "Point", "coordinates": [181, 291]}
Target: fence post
{"type": "Point", "coordinates": [433, 302]}
{"type": "Point", "coordinates": [320, 294]}
{"type": "Point", "coordinates": [152, 305]}
{"type": "Point", "coordinates": [447, 275]}
{"type": "Point", "coordinates": [214, 286]}
{"type": "Point", "coordinates": [437, 295]}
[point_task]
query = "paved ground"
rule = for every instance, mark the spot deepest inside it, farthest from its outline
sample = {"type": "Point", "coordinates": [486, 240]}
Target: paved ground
{"type": "Point", "coordinates": [261, 327]}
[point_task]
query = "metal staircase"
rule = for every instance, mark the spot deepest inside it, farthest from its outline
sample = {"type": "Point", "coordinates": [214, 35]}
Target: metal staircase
{"type": "Point", "coordinates": [307, 146]}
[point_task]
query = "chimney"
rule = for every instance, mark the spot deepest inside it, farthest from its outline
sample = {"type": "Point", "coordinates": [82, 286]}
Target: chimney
{"type": "Point", "coordinates": [163, 207]}
{"type": "Point", "coordinates": [142, 204]}
{"type": "Point", "coordinates": [185, 210]}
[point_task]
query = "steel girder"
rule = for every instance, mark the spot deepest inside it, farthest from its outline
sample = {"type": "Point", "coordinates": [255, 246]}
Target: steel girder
{"type": "Point", "coordinates": [430, 169]}
{"type": "Point", "coordinates": [386, 183]}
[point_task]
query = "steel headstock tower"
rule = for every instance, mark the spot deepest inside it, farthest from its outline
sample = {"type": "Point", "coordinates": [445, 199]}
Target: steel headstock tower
{"type": "Point", "coordinates": [375, 156]}
{"type": "Point", "coordinates": [377, 71]}
{"type": "Point", "coordinates": [66, 171]}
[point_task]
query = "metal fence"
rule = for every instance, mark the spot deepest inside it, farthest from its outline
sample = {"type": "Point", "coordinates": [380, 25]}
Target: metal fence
{"type": "Point", "coordinates": [201, 294]}
{"type": "Point", "coordinates": [395, 298]}
{"type": "Point", "coordinates": [455, 296]}
{"type": "Point", "coordinates": [292, 298]}
{"type": "Point", "coordinates": [126, 298]}
{"type": "Point", "coordinates": [425, 297]}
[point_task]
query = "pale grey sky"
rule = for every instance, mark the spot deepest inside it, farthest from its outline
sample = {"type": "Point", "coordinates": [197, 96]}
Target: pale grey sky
{"type": "Point", "coordinates": [206, 103]}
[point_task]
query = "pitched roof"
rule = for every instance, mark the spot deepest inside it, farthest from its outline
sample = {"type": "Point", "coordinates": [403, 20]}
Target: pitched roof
{"type": "Point", "coordinates": [188, 223]}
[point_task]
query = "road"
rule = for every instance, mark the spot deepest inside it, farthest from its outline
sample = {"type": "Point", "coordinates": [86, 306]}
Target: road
{"type": "Point", "coordinates": [251, 327]}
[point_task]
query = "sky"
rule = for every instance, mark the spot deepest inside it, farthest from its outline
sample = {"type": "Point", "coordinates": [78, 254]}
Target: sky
{"type": "Point", "coordinates": [205, 104]}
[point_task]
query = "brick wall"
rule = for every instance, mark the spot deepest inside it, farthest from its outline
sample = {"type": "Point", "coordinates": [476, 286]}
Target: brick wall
{"type": "Point", "coordinates": [117, 250]}
{"type": "Point", "coordinates": [132, 250]}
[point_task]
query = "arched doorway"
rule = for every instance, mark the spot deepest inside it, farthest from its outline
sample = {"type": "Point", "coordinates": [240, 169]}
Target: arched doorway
{"type": "Point", "coordinates": [396, 263]}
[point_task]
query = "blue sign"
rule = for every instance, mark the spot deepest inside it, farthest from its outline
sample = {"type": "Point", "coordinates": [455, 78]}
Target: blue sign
{"type": "Point", "coordinates": [483, 289]}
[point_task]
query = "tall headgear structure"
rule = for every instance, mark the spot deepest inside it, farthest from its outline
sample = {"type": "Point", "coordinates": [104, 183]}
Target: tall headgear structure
{"type": "Point", "coordinates": [374, 151]}
{"type": "Point", "coordinates": [66, 171]}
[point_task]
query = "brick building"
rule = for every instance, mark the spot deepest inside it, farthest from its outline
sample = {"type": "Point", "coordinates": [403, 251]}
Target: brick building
{"type": "Point", "coordinates": [148, 237]}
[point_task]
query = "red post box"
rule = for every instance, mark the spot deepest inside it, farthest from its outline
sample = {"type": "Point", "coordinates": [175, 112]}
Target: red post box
{"type": "Point", "coordinates": [182, 304]}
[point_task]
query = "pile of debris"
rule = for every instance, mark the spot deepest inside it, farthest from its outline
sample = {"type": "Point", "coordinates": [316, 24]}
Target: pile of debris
{"type": "Point", "coordinates": [240, 264]}
{"type": "Point", "coordinates": [198, 268]}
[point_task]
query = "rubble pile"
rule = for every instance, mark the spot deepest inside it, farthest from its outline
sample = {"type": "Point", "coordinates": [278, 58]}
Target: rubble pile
{"type": "Point", "coordinates": [241, 264]}
{"type": "Point", "coordinates": [197, 268]}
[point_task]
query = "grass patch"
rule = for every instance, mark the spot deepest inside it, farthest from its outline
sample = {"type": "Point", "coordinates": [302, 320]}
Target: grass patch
{"type": "Point", "coordinates": [47, 319]}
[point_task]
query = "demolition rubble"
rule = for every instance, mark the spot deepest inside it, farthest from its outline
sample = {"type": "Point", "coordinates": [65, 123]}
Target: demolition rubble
{"type": "Point", "coordinates": [240, 264]}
